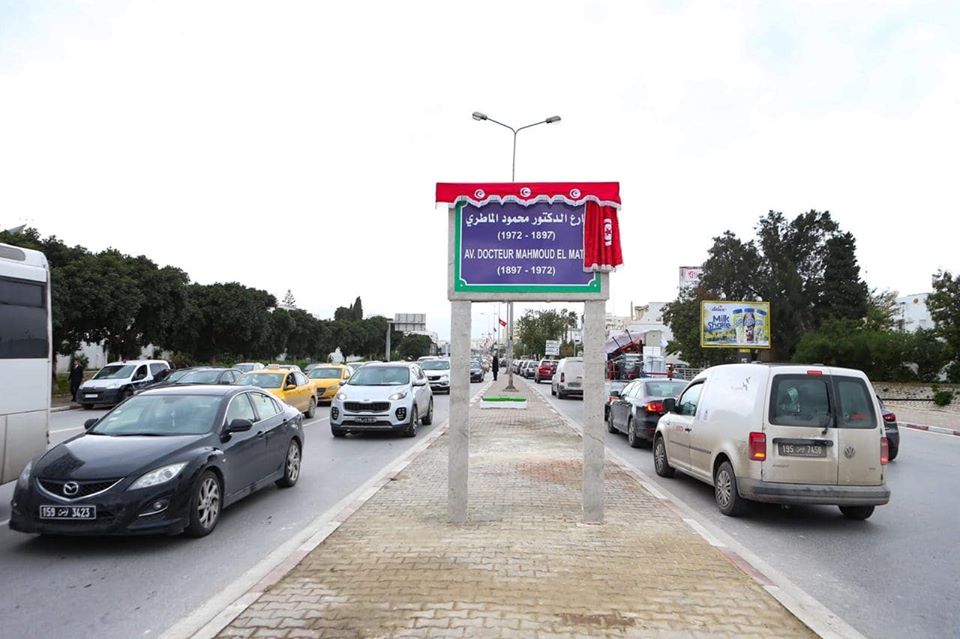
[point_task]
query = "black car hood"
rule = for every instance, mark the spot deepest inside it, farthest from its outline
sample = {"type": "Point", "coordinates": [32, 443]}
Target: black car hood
{"type": "Point", "coordinates": [105, 457]}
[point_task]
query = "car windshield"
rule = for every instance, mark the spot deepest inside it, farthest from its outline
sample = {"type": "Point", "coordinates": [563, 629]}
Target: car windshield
{"type": "Point", "coordinates": [325, 373]}
{"type": "Point", "coordinates": [435, 365]}
{"type": "Point", "coordinates": [115, 371]}
{"type": "Point", "coordinates": [161, 415]}
{"type": "Point", "coordinates": [663, 389]}
{"type": "Point", "coordinates": [200, 377]}
{"type": "Point", "coordinates": [262, 380]}
{"type": "Point", "coordinates": [381, 376]}
{"type": "Point", "coordinates": [176, 375]}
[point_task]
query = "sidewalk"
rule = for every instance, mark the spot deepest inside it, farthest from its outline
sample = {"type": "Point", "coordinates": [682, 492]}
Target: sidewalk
{"type": "Point", "coordinates": [934, 419]}
{"type": "Point", "coordinates": [524, 565]}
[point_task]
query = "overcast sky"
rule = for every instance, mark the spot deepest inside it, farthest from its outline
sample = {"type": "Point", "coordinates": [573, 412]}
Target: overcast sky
{"type": "Point", "coordinates": [297, 144]}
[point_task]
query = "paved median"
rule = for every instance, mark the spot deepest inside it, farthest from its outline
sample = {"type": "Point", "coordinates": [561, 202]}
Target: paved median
{"type": "Point", "coordinates": [524, 565]}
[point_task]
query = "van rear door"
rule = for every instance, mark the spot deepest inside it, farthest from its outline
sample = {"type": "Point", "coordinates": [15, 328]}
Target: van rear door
{"type": "Point", "coordinates": [859, 430]}
{"type": "Point", "coordinates": [802, 441]}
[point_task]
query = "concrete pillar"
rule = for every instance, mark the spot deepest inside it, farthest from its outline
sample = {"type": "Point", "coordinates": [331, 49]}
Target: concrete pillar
{"type": "Point", "coordinates": [594, 360]}
{"type": "Point", "coordinates": [458, 434]}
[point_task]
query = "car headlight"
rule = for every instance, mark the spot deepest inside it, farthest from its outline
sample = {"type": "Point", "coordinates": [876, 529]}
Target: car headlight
{"type": "Point", "coordinates": [342, 396]}
{"type": "Point", "coordinates": [158, 476]}
{"type": "Point", "coordinates": [112, 386]}
{"type": "Point", "coordinates": [444, 378]}
{"type": "Point", "coordinates": [25, 474]}
{"type": "Point", "coordinates": [397, 396]}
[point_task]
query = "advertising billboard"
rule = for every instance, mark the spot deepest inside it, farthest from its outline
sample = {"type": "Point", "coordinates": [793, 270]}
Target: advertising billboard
{"type": "Point", "coordinates": [726, 324]}
{"type": "Point", "coordinates": [690, 276]}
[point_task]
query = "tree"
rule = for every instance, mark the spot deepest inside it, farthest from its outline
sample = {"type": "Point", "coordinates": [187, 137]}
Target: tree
{"type": "Point", "coordinates": [536, 327]}
{"type": "Point", "coordinates": [352, 313]}
{"type": "Point", "coordinates": [928, 353]}
{"type": "Point", "coordinates": [806, 268]}
{"type": "Point", "coordinates": [882, 311]}
{"type": "Point", "coordinates": [944, 306]}
{"type": "Point", "coordinates": [414, 345]}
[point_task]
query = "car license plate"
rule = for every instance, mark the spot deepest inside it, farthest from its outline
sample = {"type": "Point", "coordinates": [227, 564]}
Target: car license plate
{"type": "Point", "coordinates": [368, 420]}
{"type": "Point", "coordinates": [802, 450]}
{"type": "Point", "coordinates": [90, 395]}
{"type": "Point", "coordinates": [68, 512]}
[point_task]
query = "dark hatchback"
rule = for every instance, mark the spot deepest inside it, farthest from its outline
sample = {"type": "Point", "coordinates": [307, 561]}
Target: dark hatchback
{"type": "Point", "coordinates": [165, 461]}
{"type": "Point", "coordinates": [638, 407]}
{"type": "Point", "coordinates": [892, 431]}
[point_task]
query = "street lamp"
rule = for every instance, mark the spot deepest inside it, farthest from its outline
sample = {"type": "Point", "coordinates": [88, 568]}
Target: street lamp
{"type": "Point", "coordinates": [480, 117]}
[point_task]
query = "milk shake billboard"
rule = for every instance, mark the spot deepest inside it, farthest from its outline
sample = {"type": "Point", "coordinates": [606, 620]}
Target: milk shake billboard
{"type": "Point", "coordinates": [735, 324]}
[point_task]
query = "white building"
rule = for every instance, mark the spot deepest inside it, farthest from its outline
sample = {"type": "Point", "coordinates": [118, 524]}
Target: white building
{"type": "Point", "coordinates": [912, 313]}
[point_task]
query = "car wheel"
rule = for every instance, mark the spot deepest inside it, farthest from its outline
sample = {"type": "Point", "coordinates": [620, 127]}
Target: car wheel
{"type": "Point", "coordinates": [428, 418]}
{"type": "Point", "coordinates": [660, 462]}
{"type": "Point", "coordinates": [893, 453]}
{"type": "Point", "coordinates": [205, 505]}
{"type": "Point", "coordinates": [725, 490]}
{"type": "Point", "coordinates": [338, 432]}
{"type": "Point", "coordinates": [561, 394]}
{"type": "Point", "coordinates": [857, 512]}
{"type": "Point", "coordinates": [312, 409]}
{"type": "Point", "coordinates": [610, 427]}
{"type": "Point", "coordinates": [411, 429]}
{"type": "Point", "coordinates": [632, 437]}
{"type": "Point", "coordinates": [291, 467]}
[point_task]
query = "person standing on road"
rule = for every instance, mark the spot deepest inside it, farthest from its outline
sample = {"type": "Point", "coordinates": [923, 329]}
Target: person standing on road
{"type": "Point", "coordinates": [495, 366]}
{"type": "Point", "coordinates": [76, 378]}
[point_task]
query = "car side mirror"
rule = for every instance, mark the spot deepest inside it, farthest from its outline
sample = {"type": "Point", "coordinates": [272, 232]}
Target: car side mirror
{"type": "Point", "coordinates": [419, 382]}
{"type": "Point", "coordinates": [239, 425]}
{"type": "Point", "coordinates": [290, 386]}
{"type": "Point", "coordinates": [669, 405]}
{"type": "Point", "coordinates": [90, 423]}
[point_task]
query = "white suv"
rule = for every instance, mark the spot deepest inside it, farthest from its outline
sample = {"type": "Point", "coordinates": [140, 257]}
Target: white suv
{"type": "Point", "coordinates": [383, 397]}
{"type": "Point", "coordinates": [786, 434]}
{"type": "Point", "coordinates": [115, 382]}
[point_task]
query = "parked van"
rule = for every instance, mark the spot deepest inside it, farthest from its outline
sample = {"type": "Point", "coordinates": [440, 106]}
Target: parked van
{"type": "Point", "coordinates": [568, 380]}
{"type": "Point", "coordinates": [786, 434]}
{"type": "Point", "coordinates": [115, 382]}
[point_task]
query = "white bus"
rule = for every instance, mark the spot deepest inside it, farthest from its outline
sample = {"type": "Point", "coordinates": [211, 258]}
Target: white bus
{"type": "Point", "coordinates": [25, 358]}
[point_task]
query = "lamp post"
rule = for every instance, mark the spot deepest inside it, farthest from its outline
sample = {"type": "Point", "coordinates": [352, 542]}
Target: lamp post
{"type": "Point", "coordinates": [480, 117]}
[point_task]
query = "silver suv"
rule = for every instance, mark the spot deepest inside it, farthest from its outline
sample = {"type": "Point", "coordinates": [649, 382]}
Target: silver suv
{"type": "Point", "coordinates": [394, 396]}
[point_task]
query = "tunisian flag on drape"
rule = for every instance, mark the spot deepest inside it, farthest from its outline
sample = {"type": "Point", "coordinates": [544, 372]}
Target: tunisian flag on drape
{"type": "Point", "coordinates": [600, 202]}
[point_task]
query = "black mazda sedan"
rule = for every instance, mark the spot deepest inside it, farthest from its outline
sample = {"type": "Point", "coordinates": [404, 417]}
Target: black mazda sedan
{"type": "Point", "coordinates": [165, 461]}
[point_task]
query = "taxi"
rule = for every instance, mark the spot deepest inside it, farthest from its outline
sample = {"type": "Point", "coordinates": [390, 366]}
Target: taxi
{"type": "Point", "coordinates": [327, 380]}
{"type": "Point", "coordinates": [290, 386]}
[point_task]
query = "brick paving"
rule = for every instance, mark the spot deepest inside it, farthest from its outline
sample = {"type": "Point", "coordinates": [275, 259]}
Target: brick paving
{"type": "Point", "coordinates": [524, 565]}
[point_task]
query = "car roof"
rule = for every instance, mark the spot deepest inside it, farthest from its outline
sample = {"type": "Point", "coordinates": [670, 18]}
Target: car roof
{"type": "Point", "coordinates": [198, 389]}
{"type": "Point", "coordinates": [132, 362]}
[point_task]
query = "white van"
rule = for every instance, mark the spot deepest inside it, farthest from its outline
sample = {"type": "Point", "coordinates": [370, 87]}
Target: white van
{"type": "Point", "coordinates": [568, 380]}
{"type": "Point", "coordinates": [786, 434]}
{"type": "Point", "coordinates": [115, 382]}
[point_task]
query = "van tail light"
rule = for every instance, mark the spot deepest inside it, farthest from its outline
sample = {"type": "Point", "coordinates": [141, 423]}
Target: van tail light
{"type": "Point", "coordinates": [758, 446]}
{"type": "Point", "coordinates": [654, 407]}
{"type": "Point", "coordinates": [884, 451]}
{"type": "Point", "coordinates": [889, 417]}
{"type": "Point", "coordinates": [562, 375]}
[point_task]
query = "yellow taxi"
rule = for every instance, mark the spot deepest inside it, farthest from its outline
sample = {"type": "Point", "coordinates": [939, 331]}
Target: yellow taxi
{"type": "Point", "coordinates": [327, 379]}
{"type": "Point", "coordinates": [290, 386]}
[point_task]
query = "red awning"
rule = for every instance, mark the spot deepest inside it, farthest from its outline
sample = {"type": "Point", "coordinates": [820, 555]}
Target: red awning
{"type": "Point", "coordinates": [526, 193]}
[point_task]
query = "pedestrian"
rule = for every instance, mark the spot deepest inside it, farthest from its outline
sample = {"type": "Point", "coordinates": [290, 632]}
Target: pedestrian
{"type": "Point", "coordinates": [495, 366]}
{"type": "Point", "coordinates": [76, 378]}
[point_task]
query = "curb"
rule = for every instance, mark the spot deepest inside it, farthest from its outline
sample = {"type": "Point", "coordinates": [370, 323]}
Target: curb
{"type": "Point", "coordinates": [931, 429]}
{"type": "Point", "coordinates": [206, 621]}
{"type": "Point", "coordinates": [60, 409]}
{"type": "Point", "coordinates": [797, 602]}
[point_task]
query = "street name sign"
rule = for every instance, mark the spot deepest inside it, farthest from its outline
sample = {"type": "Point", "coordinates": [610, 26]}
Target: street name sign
{"type": "Point", "coordinates": [552, 347]}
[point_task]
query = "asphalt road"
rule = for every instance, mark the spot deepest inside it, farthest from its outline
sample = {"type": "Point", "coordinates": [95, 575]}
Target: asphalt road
{"type": "Point", "coordinates": [140, 586]}
{"type": "Point", "coordinates": [894, 575]}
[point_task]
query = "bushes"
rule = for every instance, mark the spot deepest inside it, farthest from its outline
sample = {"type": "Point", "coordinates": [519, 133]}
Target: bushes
{"type": "Point", "coordinates": [942, 397]}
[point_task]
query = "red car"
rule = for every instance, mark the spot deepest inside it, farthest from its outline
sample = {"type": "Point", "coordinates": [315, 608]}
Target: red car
{"type": "Point", "coordinates": [545, 370]}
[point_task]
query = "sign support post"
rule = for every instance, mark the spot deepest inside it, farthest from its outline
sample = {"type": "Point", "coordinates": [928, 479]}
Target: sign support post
{"type": "Point", "coordinates": [458, 448]}
{"type": "Point", "coordinates": [594, 355]}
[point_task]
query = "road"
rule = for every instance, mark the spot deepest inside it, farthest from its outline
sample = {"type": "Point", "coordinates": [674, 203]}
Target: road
{"type": "Point", "coordinates": [894, 575]}
{"type": "Point", "coordinates": [140, 586]}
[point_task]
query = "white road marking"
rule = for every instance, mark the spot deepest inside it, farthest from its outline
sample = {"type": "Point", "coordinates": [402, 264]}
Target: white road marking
{"type": "Point", "coordinates": [4, 522]}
